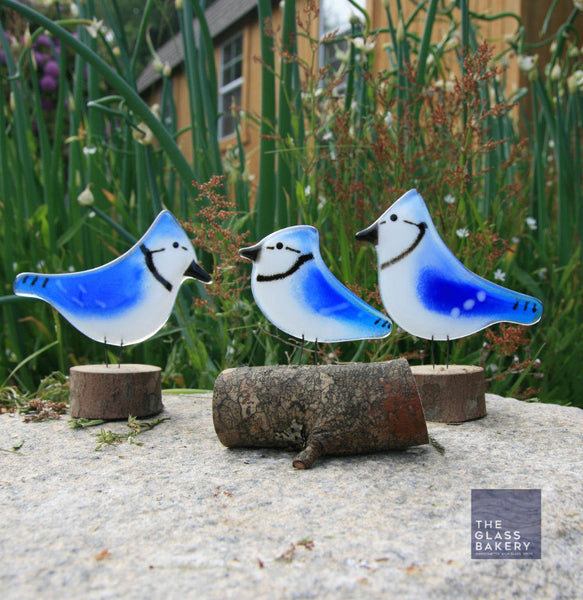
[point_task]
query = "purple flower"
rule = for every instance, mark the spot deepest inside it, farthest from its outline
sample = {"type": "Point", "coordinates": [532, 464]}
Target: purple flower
{"type": "Point", "coordinates": [43, 40]}
{"type": "Point", "coordinates": [40, 58]}
{"type": "Point", "coordinates": [52, 69]}
{"type": "Point", "coordinates": [48, 83]}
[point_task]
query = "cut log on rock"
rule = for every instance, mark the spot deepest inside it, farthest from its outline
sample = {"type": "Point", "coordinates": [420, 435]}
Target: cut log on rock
{"type": "Point", "coordinates": [451, 394]}
{"type": "Point", "coordinates": [115, 392]}
{"type": "Point", "coordinates": [324, 409]}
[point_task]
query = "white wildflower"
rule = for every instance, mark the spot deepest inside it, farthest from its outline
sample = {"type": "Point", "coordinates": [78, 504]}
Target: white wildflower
{"type": "Point", "coordinates": [463, 232]}
{"type": "Point", "coordinates": [94, 28]}
{"type": "Point", "coordinates": [143, 134]}
{"type": "Point", "coordinates": [360, 44]}
{"type": "Point", "coordinates": [556, 72]}
{"type": "Point", "coordinates": [531, 223]}
{"type": "Point", "coordinates": [499, 275]}
{"type": "Point", "coordinates": [85, 198]}
{"type": "Point", "coordinates": [342, 56]}
{"type": "Point", "coordinates": [575, 81]}
{"type": "Point", "coordinates": [308, 190]}
{"type": "Point", "coordinates": [527, 63]}
{"type": "Point", "coordinates": [89, 150]}
{"type": "Point", "coordinates": [449, 199]}
{"type": "Point", "coordinates": [389, 119]}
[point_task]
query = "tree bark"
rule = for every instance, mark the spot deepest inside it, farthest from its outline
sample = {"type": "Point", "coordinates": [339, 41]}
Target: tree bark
{"type": "Point", "coordinates": [325, 409]}
{"type": "Point", "coordinates": [115, 392]}
{"type": "Point", "coordinates": [451, 394]}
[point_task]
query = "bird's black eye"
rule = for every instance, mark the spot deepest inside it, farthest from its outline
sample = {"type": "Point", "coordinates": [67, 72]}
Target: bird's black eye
{"type": "Point", "coordinates": [175, 245]}
{"type": "Point", "coordinates": [394, 217]}
{"type": "Point", "coordinates": [279, 245]}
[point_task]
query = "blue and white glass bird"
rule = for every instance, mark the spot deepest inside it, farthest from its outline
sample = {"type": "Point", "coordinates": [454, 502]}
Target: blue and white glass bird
{"type": "Point", "coordinates": [297, 292]}
{"type": "Point", "coordinates": [128, 299]}
{"type": "Point", "coordinates": [426, 289]}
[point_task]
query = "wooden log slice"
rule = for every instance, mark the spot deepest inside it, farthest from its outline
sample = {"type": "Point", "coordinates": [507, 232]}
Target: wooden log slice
{"type": "Point", "coordinates": [319, 409]}
{"type": "Point", "coordinates": [451, 394]}
{"type": "Point", "coordinates": [115, 392]}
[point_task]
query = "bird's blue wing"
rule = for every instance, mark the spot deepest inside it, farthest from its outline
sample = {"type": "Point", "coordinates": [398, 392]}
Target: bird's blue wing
{"type": "Point", "coordinates": [325, 295]}
{"type": "Point", "coordinates": [471, 296]}
{"type": "Point", "coordinates": [114, 289]}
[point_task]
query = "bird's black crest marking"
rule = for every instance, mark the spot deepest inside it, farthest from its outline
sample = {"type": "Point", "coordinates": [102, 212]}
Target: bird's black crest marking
{"type": "Point", "coordinates": [301, 260]}
{"type": "Point", "coordinates": [152, 267]}
{"type": "Point", "coordinates": [422, 229]}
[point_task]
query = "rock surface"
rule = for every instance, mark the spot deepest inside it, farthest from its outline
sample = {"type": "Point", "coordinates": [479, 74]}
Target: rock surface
{"type": "Point", "coordinates": [182, 516]}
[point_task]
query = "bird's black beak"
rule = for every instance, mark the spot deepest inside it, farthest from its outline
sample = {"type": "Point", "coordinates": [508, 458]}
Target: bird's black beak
{"type": "Point", "coordinates": [370, 234]}
{"type": "Point", "coordinates": [251, 253]}
{"type": "Point", "coordinates": [197, 272]}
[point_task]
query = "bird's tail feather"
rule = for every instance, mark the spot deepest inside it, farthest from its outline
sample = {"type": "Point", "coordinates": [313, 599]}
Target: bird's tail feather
{"type": "Point", "coordinates": [30, 284]}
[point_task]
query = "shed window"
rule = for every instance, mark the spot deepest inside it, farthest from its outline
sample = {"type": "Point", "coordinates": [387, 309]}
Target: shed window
{"type": "Point", "coordinates": [230, 83]}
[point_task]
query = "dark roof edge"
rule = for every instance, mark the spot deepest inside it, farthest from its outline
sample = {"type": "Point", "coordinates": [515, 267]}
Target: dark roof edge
{"type": "Point", "coordinates": [220, 16]}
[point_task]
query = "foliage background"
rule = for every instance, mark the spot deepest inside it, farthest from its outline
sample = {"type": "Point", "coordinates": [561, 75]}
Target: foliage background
{"type": "Point", "coordinates": [81, 179]}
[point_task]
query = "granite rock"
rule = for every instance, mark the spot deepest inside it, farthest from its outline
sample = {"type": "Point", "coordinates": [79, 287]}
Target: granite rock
{"type": "Point", "coordinates": [182, 516]}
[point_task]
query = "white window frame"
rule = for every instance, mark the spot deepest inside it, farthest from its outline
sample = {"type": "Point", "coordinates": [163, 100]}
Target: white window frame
{"type": "Point", "coordinates": [229, 87]}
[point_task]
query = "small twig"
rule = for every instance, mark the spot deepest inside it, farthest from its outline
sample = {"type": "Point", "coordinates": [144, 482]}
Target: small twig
{"type": "Point", "coordinates": [84, 423]}
{"type": "Point", "coordinates": [15, 449]}
{"type": "Point", "coordinates": [436, 445]}
{"type": "Point", "coordinates": [109, 438]}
